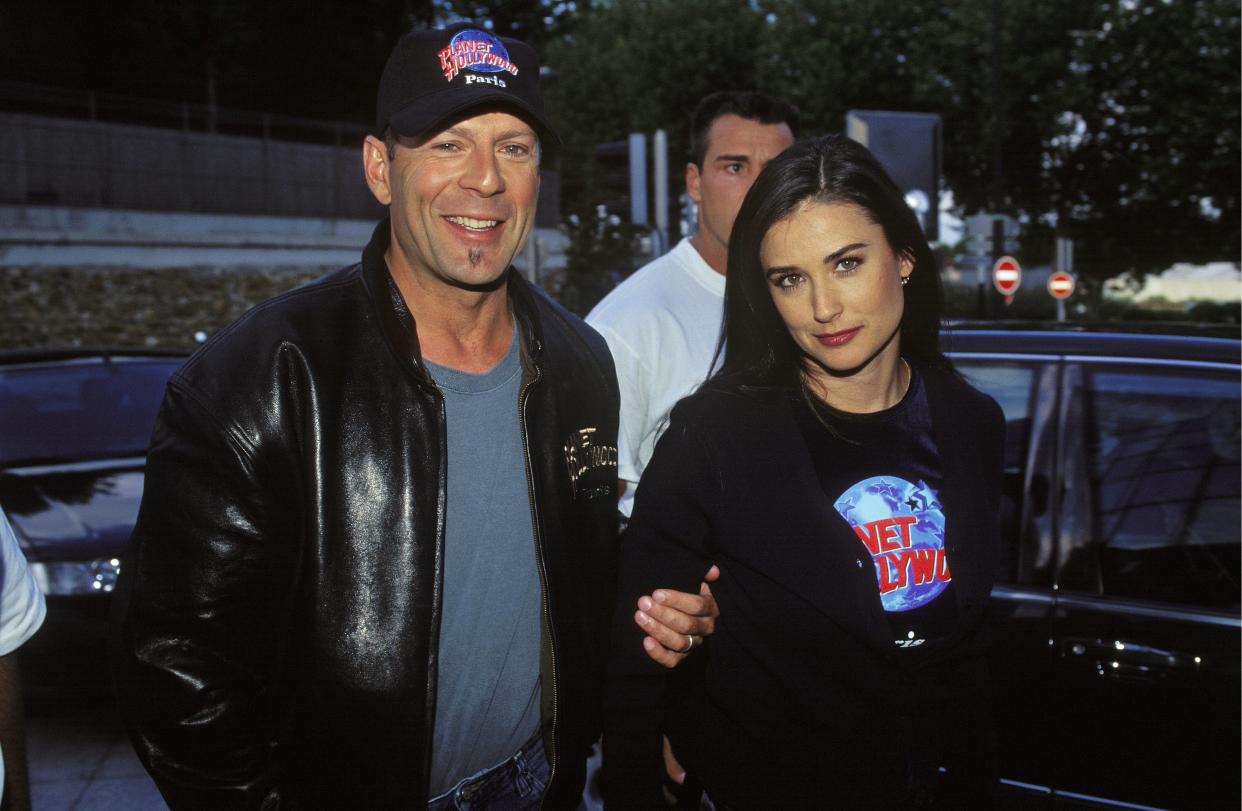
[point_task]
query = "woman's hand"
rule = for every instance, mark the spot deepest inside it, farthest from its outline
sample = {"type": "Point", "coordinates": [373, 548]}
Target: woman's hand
{"type": "Point", "coordinates": [677, 622]}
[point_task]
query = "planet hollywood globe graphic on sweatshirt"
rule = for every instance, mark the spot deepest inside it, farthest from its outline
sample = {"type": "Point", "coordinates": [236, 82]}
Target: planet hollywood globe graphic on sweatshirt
{"type": "Point", "coordinates": [902, 527]}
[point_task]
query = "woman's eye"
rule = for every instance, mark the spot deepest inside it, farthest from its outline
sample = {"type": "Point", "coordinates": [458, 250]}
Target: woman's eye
{"type": "Point", "coordinates": [788, 280]}
{"type": "Point", "coordinates": [848, 264]}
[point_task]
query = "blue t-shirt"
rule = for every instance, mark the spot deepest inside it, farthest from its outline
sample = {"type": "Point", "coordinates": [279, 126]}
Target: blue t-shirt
{"type": "Point", "coordinates": [488, 692]}
{"type": "Point", "coordinates": [882, 473]}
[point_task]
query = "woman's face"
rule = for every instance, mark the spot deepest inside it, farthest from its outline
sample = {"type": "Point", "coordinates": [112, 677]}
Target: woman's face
{"type": "Point", "coordinates": [836, 283]}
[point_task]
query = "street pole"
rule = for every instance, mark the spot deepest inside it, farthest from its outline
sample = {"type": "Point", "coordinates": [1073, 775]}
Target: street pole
{"type": "Point", "coordinates": [638, 178]}
{"type": "Point", "coordinates": [659, 190]}
{"type": "Point", "coordinates": [998, 176]}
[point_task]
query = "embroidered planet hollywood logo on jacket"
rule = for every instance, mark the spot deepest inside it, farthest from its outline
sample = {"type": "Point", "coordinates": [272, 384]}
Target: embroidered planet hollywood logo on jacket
{"type": "Point", "coordinates": [478, 52]}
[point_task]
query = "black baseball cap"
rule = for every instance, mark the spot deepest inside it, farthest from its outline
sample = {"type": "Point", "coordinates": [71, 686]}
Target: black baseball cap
{"type": "Point", "coordinates": [434, 76]}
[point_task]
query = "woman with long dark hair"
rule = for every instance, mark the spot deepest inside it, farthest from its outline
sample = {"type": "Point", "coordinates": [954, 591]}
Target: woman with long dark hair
{"type": "Point", "coordinates": [847, 481]}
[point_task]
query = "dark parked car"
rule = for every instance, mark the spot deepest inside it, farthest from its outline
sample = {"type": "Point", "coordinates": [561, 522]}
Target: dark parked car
{"type": "Point", "coordinates": [73, 441]}
{"type": "Point", "coordinates": [1116, 626]}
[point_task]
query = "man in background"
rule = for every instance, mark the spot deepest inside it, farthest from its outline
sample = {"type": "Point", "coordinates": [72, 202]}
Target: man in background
{"type": "Point", "coordinates": [662, 323]}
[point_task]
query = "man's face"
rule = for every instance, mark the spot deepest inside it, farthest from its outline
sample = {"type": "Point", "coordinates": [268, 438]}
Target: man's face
{"type": "Point", "coordinates": [462, 201]}
{"type": "Point", "coordinates": [737, 149]}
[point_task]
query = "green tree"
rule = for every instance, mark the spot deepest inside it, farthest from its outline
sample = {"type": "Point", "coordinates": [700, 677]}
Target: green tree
{"type": "Point", "coordinates": [634, 66]}
{"type": "Point", "coordinates": [1112, 132]}
{"type": "Point", "coordinates": [1141, 164]}
{"type": "Point", "coordinates": [1119, 118]}
{"type": "Point", "coordinates": [640, 65]}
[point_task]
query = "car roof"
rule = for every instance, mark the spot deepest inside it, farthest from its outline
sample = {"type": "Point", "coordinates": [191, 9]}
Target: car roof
{"type": "Point", "coordinates": [1213, 343]}
{"type": "Point", "coordinates": [15, 357]}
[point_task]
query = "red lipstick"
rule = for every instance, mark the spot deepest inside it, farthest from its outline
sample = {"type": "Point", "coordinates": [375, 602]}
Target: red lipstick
{"type": "Point", "coordinates": [838, 338]}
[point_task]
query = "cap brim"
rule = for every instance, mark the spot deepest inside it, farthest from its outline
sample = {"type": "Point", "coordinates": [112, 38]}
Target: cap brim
{"type": "Point", "coordinates": [423, 116]}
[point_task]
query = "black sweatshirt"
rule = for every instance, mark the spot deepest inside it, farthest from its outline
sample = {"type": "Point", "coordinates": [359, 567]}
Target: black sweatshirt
{"type": "Point", "coordinates": [803, 698]}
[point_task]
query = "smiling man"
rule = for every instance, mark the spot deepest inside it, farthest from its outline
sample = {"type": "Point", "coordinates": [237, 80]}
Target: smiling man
{"type": "Point", "coordinates": [375, 558]}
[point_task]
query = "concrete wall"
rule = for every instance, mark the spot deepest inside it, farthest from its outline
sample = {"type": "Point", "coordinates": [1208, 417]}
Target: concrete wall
{"type": "Point", "coordinates": [58, 161]}
{"type": "Point", "coordinates": [59, 236]}
{"type": "Point", "coordinates": [115, 277]}
{"type": "Point", "coordinates": [35, 237]}
{"type": "Point", "coordinates": [68, 162]}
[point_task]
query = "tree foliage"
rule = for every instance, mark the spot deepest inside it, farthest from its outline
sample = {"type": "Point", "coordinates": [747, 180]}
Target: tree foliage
{"type": "Point", "coordinates": [1141, 164]}
{"type": "Point", "coordinates": [1119, 118]}
{"type": "Point", "coordinates": [638, 66]}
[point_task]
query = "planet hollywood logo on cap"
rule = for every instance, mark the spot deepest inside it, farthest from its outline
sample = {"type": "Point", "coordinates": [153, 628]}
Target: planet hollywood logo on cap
{"type": "Point", "coordinates": [477, 51]}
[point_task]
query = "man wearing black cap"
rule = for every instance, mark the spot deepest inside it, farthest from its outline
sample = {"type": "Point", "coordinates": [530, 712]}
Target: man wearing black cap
{"type": "Point", "coordinates": [374, 562]}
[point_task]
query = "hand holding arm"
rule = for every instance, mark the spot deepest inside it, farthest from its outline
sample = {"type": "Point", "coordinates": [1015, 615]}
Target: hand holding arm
{"type": "Point", "coordinates": [670, 618]}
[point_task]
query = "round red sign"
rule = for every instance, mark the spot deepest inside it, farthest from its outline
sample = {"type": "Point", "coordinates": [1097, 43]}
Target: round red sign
{"type": "Point", "coordinates": [1006, 275]}
{"type": "Point", "coordinates": [1061, 285]}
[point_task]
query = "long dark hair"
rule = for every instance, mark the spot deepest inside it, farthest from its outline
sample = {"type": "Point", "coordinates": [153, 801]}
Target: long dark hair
{"type": "Point", "coordinates": [758, 350]}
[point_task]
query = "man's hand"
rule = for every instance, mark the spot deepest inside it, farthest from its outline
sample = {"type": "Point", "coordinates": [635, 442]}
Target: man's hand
{"type": "Point", "coordinates": [672, 769]}
{"type": "Point", "coordinates": [673, 618]}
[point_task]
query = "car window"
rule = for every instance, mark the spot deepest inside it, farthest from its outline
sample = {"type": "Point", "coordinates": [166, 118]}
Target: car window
{"type": "Point", "coordinates": [1012, 384]}
{"type": "Point", "coordinates": [67, 412]}
{"type": "Point", "coordinates": [1160, 454]}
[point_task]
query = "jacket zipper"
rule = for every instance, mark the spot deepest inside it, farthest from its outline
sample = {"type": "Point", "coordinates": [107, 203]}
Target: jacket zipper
{"type": "Point", "coordinates": [442, 486]}
{"type": "Point", "coordinates": [543, 572]}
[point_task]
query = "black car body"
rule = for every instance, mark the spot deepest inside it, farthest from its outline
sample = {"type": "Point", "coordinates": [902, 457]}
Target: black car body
{"type": "Point", "coordinates": [73, 443]}
{"type": "Point", "coordinates": [1116, 622]}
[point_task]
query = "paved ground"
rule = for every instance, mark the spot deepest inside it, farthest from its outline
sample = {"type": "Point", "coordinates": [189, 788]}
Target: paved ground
{"type": "Point", "coordinates": [80, 760]}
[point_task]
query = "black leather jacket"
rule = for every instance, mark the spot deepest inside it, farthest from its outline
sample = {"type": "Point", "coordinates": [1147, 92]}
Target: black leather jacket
{"type": "Point", "coordinates": [276, 623]}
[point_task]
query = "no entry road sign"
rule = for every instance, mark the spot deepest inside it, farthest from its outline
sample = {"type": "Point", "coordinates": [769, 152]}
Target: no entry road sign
{"type": "Point", "coordinates": [1006, 275]}
{"type": "Point", "coordinates": [1061, 285]}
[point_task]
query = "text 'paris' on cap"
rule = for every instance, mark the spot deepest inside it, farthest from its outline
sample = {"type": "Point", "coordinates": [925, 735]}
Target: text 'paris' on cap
{"type": "Point", "coordinates": [433, 77]}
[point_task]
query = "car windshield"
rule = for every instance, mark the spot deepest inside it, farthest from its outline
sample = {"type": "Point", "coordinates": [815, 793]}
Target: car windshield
{"type": "Point", "coordinates": [79, 410]}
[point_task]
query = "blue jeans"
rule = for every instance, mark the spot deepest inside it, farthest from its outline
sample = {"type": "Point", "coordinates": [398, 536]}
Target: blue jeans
{"type": "Point", "coordinates": [515, 785]}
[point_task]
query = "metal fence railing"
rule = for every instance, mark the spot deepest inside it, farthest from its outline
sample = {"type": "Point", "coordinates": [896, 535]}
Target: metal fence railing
{"type": "Point", "coordinates": [60, 161]}
{"type": "Point", "coordinates": [63, 102]}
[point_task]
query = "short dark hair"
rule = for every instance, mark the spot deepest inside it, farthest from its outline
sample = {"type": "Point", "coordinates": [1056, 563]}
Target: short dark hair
{"type": "Point", "coordinates": [390, 143]}
{"type": "Point", "coordinates": [758, 351]}
{"type": "Point", "coordinates": [745, 104]}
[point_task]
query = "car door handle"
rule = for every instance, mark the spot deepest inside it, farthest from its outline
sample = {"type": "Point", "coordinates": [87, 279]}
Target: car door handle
{"type": "Point", "coordinates": [1122, 660]}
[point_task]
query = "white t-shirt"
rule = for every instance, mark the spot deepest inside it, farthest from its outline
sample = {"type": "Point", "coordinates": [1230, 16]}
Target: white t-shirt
{"type": "Point", "coordinates": [21, 603]}
{"type": "Point", "coordinates": [662, 325]}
